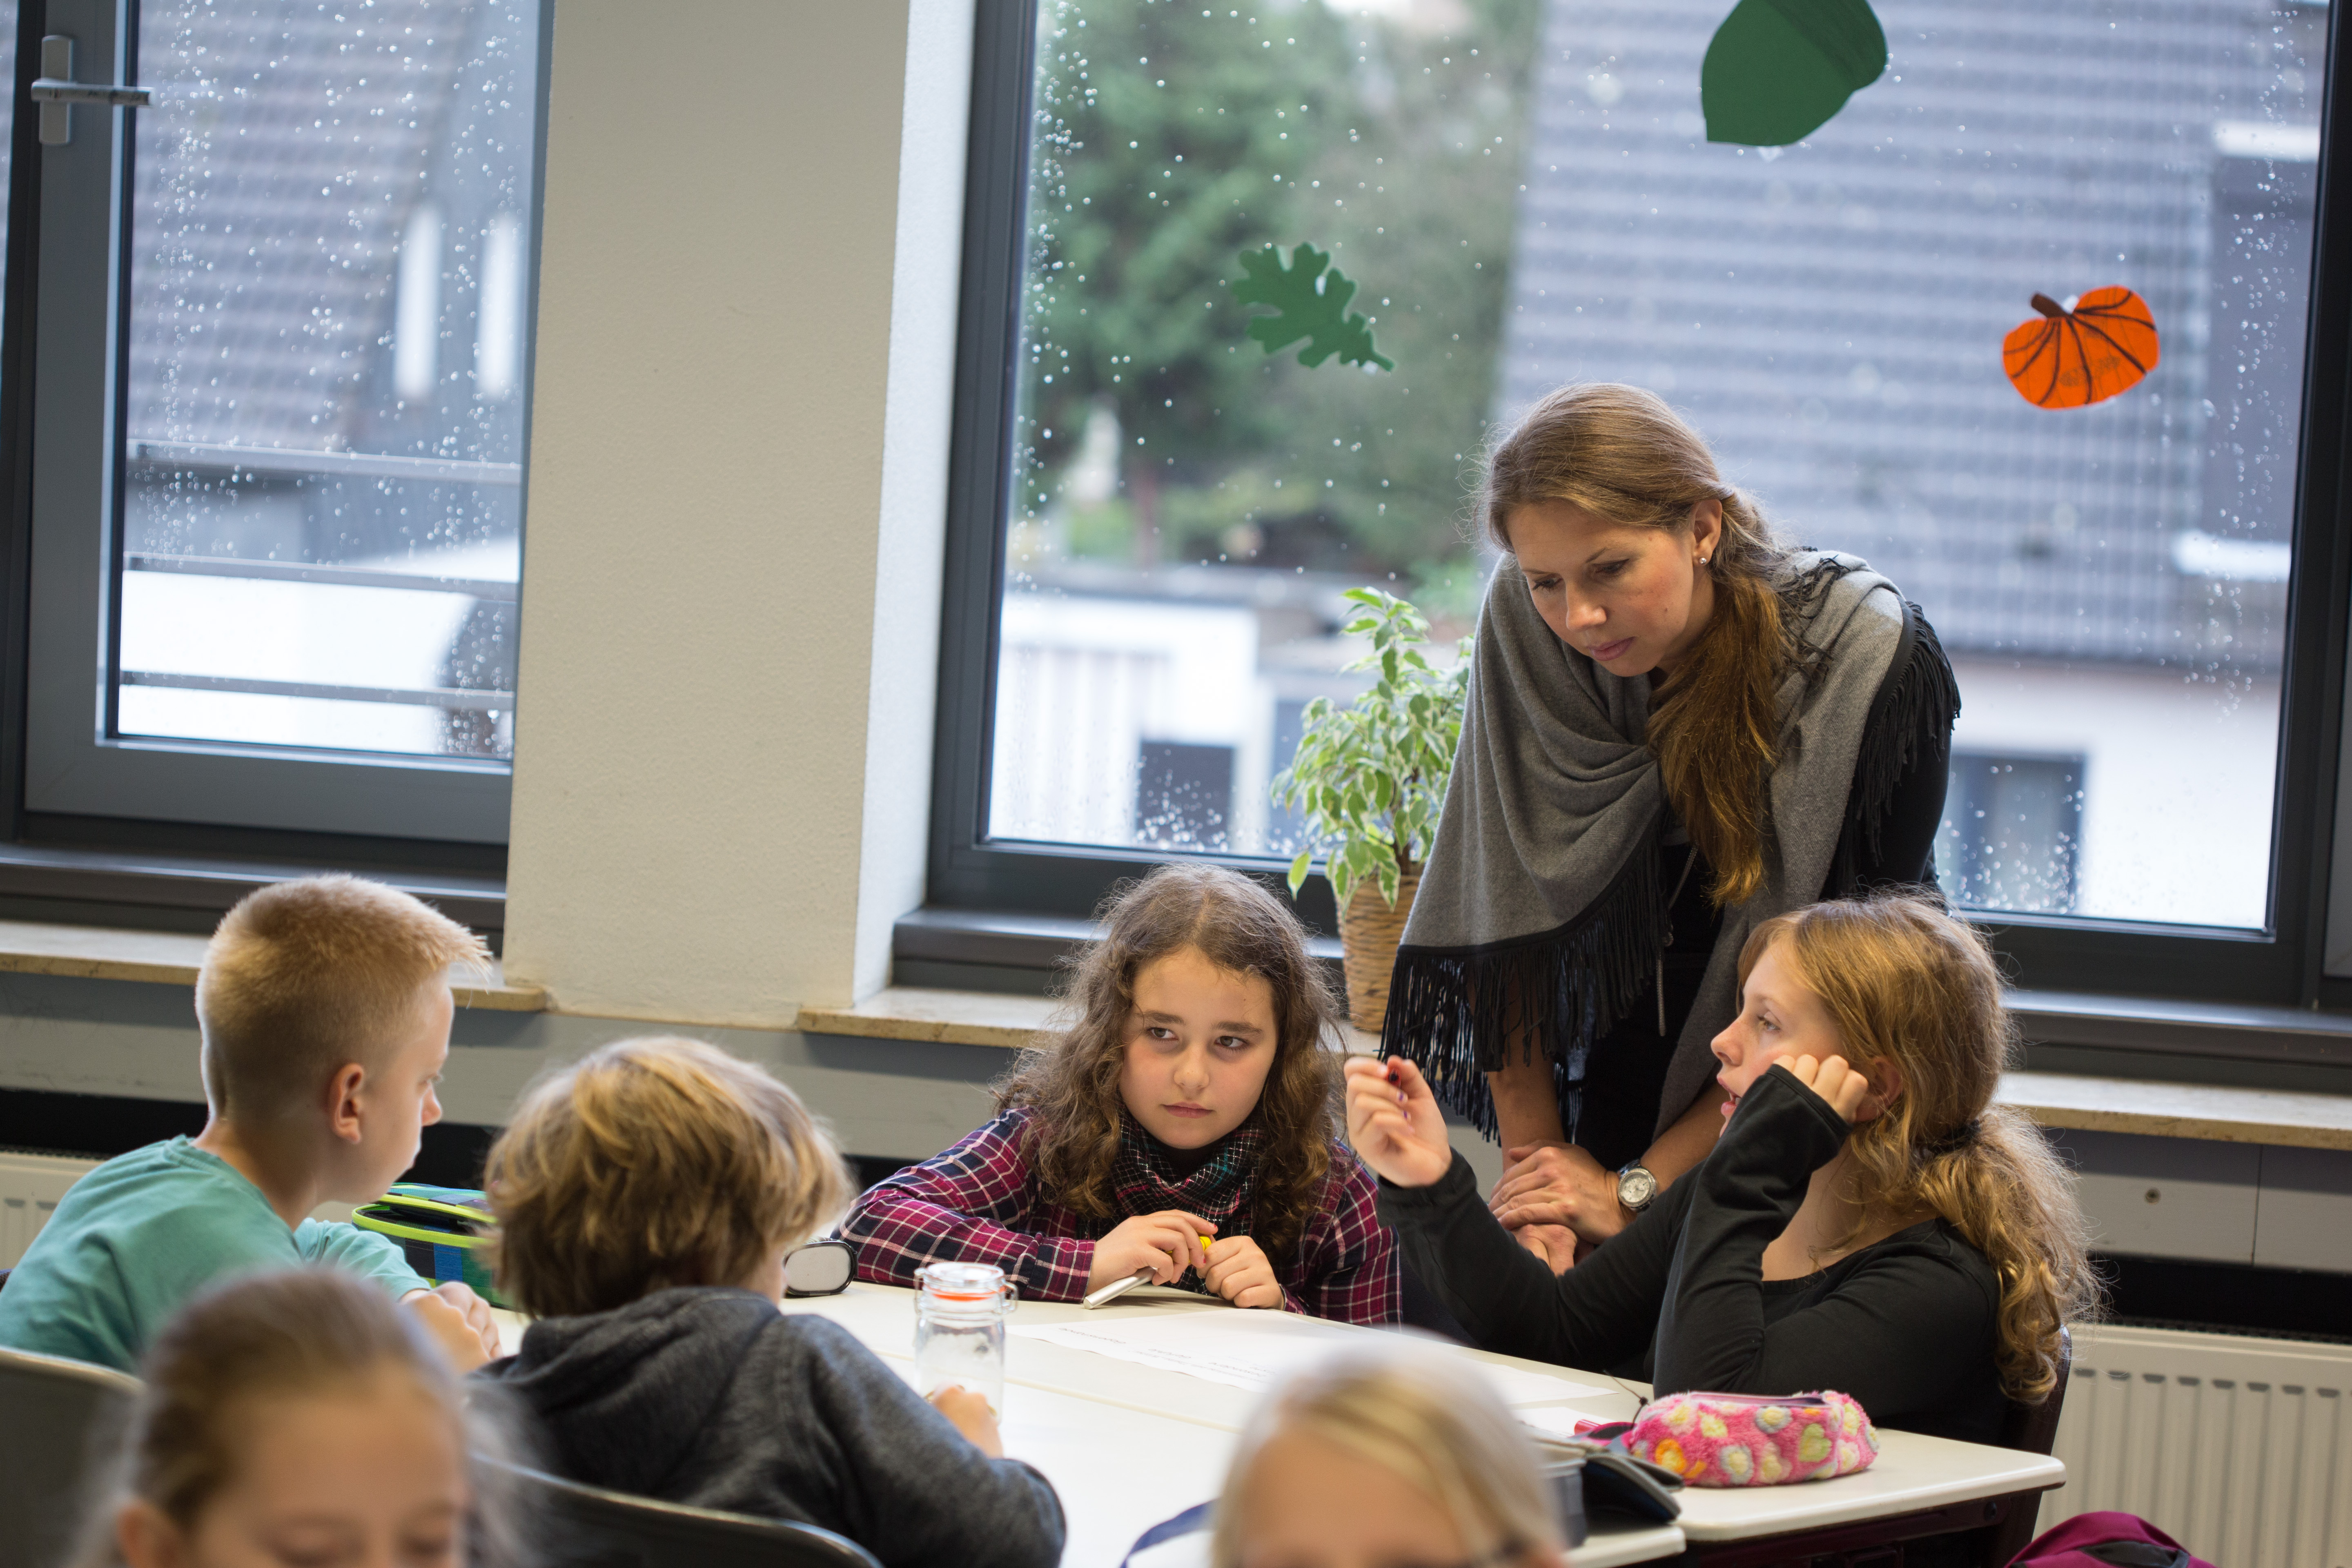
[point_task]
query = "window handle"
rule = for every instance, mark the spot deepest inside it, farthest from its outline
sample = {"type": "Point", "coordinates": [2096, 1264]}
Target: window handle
{"type": "Point", "coordinates": [57, 93]}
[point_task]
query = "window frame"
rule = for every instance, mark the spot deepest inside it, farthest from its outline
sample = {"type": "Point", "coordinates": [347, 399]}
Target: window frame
{"type": "Point", "coordinates": [2279, 968]}
{"type": "Point", "coordinates": [71, 586]}
{"type": "Point", "coordinates": [159, 869]}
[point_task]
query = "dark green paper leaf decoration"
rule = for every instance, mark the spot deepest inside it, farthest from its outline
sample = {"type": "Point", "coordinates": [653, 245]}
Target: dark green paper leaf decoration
{"type": "Point", "coordinates": [1320, 316]}
{"type": "Point", "coordinates": [1777, 69]}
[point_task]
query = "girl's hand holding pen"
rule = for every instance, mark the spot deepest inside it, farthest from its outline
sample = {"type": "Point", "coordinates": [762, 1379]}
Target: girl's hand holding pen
{"type": "Point", "coordinates": [1394, 1123]}
{"type": "Point", "coordinates": [1240, 1272]}
{"type": "Point", "coordinates": [1167, 1242]}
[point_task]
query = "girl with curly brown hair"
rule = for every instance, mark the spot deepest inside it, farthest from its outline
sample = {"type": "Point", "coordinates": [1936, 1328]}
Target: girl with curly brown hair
{"type": "Point", "coordinates": [1186, 1122]}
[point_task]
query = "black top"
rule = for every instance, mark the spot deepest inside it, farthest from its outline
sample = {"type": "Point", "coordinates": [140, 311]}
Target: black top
{"type": "Point", "coordinates": [1614, 1108]}
{"type": "Point", "coordinates": [1611, 1107]}
{"type": "Point", "coordinates": [1907, 1325]}
{"type": "Point", "coordinates": [712, 1397]}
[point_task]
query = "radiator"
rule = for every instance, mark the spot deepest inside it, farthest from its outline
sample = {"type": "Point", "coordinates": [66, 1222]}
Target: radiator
{"type": "Point", "coordinates": [30, 1187]}
{"type": "Point", "coordinates": [2239, 1448]}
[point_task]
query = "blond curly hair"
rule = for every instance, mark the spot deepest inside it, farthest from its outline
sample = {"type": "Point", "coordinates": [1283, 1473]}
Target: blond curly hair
{"type": "Point", "coordinates": [1906, 983]}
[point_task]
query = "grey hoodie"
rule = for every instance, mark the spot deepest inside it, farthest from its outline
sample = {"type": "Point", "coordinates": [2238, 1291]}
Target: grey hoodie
{"type": "Point", "coordinates": [710, 1397]}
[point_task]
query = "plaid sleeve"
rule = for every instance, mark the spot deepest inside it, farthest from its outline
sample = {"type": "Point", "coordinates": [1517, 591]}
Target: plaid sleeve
{"type": "Point", "coordinates": [1348, 1265]}
{"type": "Point", "coordinates": [967, 1205]}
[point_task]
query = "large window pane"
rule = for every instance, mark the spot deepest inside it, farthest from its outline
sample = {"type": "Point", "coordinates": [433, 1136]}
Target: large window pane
{"type": "Point", "coordinates": [323, 422]}
{"type": "Point", "coordinates": [1523, 189]}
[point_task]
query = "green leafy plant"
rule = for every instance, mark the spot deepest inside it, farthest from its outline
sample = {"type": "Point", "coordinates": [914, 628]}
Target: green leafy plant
{"type": "Point", "coordinates": [1314, 306]}
{"type": "Point", "coordinates": [1371, 775]}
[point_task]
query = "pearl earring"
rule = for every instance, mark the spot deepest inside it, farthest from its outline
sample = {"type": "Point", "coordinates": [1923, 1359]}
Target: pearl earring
{"type": "Point", "coordinates": [1702, 560]}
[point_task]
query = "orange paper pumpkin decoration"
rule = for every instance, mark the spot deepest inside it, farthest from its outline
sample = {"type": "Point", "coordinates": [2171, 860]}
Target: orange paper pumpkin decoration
{"type": "Point", "coordinates": [2070, 359]}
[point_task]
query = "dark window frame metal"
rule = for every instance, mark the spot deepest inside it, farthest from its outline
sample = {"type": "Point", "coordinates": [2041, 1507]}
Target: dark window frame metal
{"type": "Point", "coordinates": [177, 875]}
{"type": "Point", "coordinates": [2278, 969]}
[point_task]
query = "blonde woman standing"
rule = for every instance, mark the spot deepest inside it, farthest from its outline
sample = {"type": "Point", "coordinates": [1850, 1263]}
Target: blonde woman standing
{"type": "Point", "coordinates": [1678, 729]}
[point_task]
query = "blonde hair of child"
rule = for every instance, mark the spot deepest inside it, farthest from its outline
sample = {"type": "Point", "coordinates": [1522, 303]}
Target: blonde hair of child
{"type": "Point", "coordinates": [1414, 1413]}
{"type": "Point", "coordinates": [1071, 1084]}
{"type": "Point", "coordinates": [294, 1334]}
{"type": "Point", "coordinates": [650, 1164]}
{"type": "Point", "coordinates": [1620, 453]}
{"type": "Point", "coordinates": [303, 978]}
{"type": "Point", "coordinates": [1906, 983]}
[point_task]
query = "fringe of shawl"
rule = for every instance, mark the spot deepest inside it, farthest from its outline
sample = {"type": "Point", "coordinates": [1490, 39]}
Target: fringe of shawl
{"type": "Point", "coordinates": [1452, 1010]}
{"type": "Point", "coordinates": [1911, 719]}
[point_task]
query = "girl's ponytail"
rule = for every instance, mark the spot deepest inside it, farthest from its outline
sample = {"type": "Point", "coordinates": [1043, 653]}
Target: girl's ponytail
{"type": "Point", "coordinates": [2008, 1193]}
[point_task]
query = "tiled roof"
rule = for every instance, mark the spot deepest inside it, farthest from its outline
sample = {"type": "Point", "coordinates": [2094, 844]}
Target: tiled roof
{"type": "Point", "coordinates": [1832, 318]}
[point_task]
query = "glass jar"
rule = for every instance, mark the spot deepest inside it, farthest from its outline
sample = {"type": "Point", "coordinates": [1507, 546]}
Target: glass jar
{"type": "Point", "coordinates": [960, 1328]}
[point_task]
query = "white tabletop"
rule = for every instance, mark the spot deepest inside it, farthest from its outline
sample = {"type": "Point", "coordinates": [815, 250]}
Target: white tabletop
{"type": "Point", "coordinates": [1127, 1446]}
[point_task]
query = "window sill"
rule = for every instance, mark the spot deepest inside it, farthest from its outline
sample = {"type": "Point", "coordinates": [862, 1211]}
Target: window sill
{"type": "Point", "coordinates": [208, 885]}
{"type": "Point", "coordinates": [171, 958]}
{"type": "Point", "coordinates": [2054, 1100]}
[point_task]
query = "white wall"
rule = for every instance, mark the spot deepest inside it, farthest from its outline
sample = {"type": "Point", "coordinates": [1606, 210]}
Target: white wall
{"type": "Point", "coordinates": [744, 357]}
{"type": "Point", "coordinates": [2177, 779]}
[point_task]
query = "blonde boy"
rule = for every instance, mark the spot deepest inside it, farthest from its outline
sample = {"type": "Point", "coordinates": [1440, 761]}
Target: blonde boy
{"type": "Point", "coordinates": [646, 1200]}
{"type": "Point", "coordinates": [325, 1011]}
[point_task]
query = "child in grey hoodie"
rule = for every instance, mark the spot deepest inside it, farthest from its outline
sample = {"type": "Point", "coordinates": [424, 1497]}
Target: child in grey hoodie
{"type": "Point", "coordinates": [645, 1199]}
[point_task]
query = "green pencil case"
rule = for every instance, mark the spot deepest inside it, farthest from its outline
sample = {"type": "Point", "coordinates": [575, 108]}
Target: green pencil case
{"type": "Point", "coordinates": [443, 1231]}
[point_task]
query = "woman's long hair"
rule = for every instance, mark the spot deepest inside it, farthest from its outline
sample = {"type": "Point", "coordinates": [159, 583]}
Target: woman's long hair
{"type": "Point", "coordinates": [1620, 453]}
{"type": "Point", "coordinates": [1907, 983]}
{"type": "Point", "coordinates": [1070, 1083]}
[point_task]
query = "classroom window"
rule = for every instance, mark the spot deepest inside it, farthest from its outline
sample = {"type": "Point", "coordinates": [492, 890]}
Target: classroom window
{"type": "Point", "coordinates": [1523, 194]}
{"type": "Point", "coordinates": [287, 536]}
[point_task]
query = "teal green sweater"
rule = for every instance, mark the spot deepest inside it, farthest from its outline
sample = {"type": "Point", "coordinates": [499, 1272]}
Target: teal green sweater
{"type": "Point", "coordinates": [143, 1233]}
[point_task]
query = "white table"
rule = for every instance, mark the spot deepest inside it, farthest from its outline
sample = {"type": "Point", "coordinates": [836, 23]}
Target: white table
{"type": "Point", "coordinates": [1127, 1446]}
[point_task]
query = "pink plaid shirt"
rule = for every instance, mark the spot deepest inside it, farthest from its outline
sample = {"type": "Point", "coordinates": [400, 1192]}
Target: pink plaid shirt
{"type": "Point", "coordinates": [978, 1202]}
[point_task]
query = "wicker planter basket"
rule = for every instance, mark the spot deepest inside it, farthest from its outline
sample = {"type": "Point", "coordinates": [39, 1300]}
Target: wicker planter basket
{"type": "Point", "coordinates": [1368, 933]}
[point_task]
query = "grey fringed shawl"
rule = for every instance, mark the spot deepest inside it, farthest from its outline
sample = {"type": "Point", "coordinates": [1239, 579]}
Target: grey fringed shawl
{"type": "Point", "coordinates": [1542, 910]}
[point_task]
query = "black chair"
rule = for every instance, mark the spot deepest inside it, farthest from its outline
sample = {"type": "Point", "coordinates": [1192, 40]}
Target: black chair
{"type": "Point", "coordinates": [65, 1421]}
{"type": "Point", "coordinates": [588, 1527]}
{"type": "Point", "coordinates": [2031, 1429]}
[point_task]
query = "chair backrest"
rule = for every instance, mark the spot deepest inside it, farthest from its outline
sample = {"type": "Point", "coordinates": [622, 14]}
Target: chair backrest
{"type": "Point", "coordinates": [2033, 1429]}
{"type": "Point", "coordinates": [63, 1423]}
{"type": "Point", "coordinates": [588, 1527]}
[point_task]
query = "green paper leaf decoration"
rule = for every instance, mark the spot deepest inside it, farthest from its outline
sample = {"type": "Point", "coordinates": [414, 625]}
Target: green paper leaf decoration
{"type": "Point", "coordinates": [1320, 315]}
{"type": "Point", "coordinates": [1777, 69]}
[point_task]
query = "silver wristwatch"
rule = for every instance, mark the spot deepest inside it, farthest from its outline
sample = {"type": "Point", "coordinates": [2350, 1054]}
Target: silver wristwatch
{"type": "Point", "coordinates": [1635, 1187]}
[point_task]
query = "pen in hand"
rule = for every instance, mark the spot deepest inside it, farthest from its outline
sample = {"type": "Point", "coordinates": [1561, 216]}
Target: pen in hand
{"type": "Point", "coordinates": [1115, 1290]}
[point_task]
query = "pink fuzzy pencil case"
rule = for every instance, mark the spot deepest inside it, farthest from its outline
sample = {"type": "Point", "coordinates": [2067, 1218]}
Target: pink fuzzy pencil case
{"type": "Point", "coordinates": [1754, 1440]}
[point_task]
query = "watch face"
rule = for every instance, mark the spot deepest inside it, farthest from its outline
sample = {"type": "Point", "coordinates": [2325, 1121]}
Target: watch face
{"type": "Point", "coordinates": [1636, 1187]}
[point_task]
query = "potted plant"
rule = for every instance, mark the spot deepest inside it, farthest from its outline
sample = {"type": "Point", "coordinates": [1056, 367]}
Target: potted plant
{"type": "Point", "coordinates": [1371, 777]}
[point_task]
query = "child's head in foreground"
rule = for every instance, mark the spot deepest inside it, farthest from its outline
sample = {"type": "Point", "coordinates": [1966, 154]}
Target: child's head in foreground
{"type": "Point", "coordinates": [1911, 998]}
{"type": "Point", "coordinates": [324, 1006]}
{"type": "Point", "coordinates": [651, 1164]}
{"type": "Point", "coordinates": [297, 1418]}
{"type": "Point", "coordinates": [1198, 1008]}
{"type": "Point", "coordinates": [1384, 1458]}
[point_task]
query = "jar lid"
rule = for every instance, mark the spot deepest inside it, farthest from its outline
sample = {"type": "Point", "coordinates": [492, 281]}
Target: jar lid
{"type": "Point", "coordinates": [961, 1281]}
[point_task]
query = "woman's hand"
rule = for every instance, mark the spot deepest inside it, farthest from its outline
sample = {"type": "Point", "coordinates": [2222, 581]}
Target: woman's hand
{"type": "Point", "coordinates": [1555, 1245]}
{"type": "Point", "coordinates": [1240, 1272]}
{"type": "Point", "coordinates": [968, 1413]}
{"type": "Point", "coordinates": [1835, 1080]}
{"type": "Point", "coordinates": [1167, 1242]}
{"type": "Point", "coordinates": [1557, 1185]}
{"type": "Point", "coordinates": [1394, 1123]}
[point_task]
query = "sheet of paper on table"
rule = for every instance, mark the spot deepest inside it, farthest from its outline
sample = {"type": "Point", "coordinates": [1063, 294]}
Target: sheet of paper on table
{"type": "Point", "coordinates": [1558, 1425]}
{"type": "Point", "coordinates": [1256, 1350]}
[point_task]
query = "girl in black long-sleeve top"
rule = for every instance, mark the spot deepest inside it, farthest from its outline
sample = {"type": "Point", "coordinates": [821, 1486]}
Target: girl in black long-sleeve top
{"type": "Point", "coordinates": [1869, 1221]}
